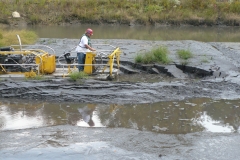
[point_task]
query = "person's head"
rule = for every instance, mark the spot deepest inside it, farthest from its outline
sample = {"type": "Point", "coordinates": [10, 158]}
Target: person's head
{"type": "Point", "coordinates": [91, 123]}
{"type": "Point", "coordinates": [89, 32]}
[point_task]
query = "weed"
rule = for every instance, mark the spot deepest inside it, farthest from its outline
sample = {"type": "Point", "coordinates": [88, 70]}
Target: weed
{"type": "Point", "coordinates": [184, 54]}
{"type": "Point", "coordinates": [159, 55]}
{"type": "Point", "coordinates": [204, 59]}
{"type": "Point", "coordinates": [37, 77]}
{"type": "Point", "coordinates": [78, 75]}
{"type": "Point", "coordinates": [153, 9]}
{"type": "Point", "coordinates": [184, 63]}
{"type": "Point", "coordinates": [139, 58]}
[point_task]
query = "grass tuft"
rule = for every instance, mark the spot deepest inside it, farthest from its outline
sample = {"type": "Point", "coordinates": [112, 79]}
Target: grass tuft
{"type": "Point", "coordinates": [78, 75]}
{"type": "Point", "coordinates": [159, 55]}
{"type": "Point", "coordinates": [37, 77]}
{"type": "Point", "coordinates": [184, 54]}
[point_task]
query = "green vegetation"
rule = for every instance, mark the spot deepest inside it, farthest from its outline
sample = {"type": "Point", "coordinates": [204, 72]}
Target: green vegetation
{"type": "Point", "coordinates": [184, 54]}
{"type": "Point", "coordinates": [8, 38]}
{"type": "Point", "coordinates": [78, 75]}
{"type": "Point", "coordinates": [123, 11]}
{"type": "Point", "coordinates": [159, 55]}
{"type": "Point", "coordinates": [37, 77]}
{"type": "Point", "coordinates": [204, 59]}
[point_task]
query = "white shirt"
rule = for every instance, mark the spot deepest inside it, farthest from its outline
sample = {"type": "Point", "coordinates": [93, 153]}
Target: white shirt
{"type": "Point", "coordinates": [81, 46]}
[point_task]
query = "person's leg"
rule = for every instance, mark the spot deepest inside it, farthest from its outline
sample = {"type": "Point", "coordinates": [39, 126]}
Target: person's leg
{"type": "Point", "coordinates": [80, 61]}
{"type": "Point", "coordinates": [84, 58]}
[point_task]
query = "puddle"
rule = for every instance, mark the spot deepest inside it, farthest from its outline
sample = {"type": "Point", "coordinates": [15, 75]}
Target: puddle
{"type": "Point", "coordinates": [173, 117]}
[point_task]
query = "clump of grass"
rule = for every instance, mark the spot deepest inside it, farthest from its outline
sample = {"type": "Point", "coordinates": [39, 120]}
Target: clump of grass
{"type": "Point", "coordinates": [205, 59]}
{"type": "Point", "coordinates": [77, 75]}
{"type": "Point", "coordinates": [159, 55]}
{"type": "Point", "coordinates": [8, 38]}
{"type": "Point", "coordinates": [37, 77]}
{"type": "Point", "coordinates": [139, 58]}
{"type": "Point", "coordinates": [184, 54]}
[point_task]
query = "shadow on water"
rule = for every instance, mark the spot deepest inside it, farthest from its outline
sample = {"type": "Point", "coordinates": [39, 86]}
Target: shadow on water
{"type": "Point", "coordinates": [205, 34]}
{"type": "Point", "coordinates": [195, 115]}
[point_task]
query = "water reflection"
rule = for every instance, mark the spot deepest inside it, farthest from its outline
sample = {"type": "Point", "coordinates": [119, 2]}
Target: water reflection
{"type": "Point", "coordinates": [89, 116]}
{"type": "Point", "coordinates": [195, 115]}
{"type": "Point", "coordinates": [205, 34]}
{"type": "Point", "coordinates": [214, 126]}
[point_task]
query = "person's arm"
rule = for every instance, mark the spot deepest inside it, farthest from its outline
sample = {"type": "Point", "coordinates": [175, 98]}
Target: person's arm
{"type": "Point", "coordinates": [89, 47]}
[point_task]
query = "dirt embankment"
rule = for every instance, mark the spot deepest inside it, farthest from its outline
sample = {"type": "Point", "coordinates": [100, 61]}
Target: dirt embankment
{"type": "Point", "coordinates": [24, 22]}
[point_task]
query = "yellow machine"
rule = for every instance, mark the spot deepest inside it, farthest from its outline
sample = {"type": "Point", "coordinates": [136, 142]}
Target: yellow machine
{"type": "Point", "coordinates": [91, 62]}
{"type": "Point", "coordinates": [30, 62]}
{"type": "Point", "coordinates": [26, 60]}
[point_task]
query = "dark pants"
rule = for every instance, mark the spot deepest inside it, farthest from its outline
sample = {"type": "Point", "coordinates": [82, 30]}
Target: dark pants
{"type": "Point", "coordinates": [81, 60]}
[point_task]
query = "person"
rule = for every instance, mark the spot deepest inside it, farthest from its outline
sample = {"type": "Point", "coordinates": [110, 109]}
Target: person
{"type": "Point", "coordinates": [83, 47]}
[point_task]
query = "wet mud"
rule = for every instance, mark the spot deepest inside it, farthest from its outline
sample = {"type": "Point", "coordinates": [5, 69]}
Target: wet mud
{"type": "Point", "coordinates": [212, 73]}
{"type": "Point", "coordinates": [64, 142]}
{"type": "Point", "coordinates": [92, 91]}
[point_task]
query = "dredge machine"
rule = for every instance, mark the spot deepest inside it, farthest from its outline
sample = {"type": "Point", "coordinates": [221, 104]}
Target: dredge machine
{"type": "Point", "coordinates": [30, 61]}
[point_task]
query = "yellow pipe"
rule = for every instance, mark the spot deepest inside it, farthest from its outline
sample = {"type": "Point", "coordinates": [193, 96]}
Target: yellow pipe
{"type": "Point", "coordinates": [3, 69]}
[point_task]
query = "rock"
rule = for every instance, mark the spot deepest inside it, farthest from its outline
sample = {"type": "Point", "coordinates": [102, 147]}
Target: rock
{"type": "Point", "coordinates": [15, 14]}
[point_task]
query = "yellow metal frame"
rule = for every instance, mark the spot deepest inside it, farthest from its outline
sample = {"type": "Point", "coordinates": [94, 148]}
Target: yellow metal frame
{"type": "Point", "coordinates": [90, 59]}
{"type": "Point", "coordinates": [116, 53]}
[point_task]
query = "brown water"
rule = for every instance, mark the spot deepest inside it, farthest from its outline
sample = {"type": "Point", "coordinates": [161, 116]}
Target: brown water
{"type": "Point", "coordinates": [205, 34]}
{"type": "Point", "coordinates": [196, 115]}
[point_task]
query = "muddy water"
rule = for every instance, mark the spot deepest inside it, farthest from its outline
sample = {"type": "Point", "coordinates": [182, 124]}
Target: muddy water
{"type": "Point", "coordinates": [195, 115]}
{"type": "Point", "coordinates": [205, 34]}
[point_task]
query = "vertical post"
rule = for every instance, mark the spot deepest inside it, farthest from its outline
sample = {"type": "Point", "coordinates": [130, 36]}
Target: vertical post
{"type": "Point", "coordinates": [20, 43]}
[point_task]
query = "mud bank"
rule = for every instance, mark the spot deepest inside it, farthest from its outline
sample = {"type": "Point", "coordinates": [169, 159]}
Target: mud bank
{"type": "Point", "coordinates": [213, 72]}
{"type": "Point", "coordinates": [64, 142]}
{"type": "Point", "coordinates": [92, 91]}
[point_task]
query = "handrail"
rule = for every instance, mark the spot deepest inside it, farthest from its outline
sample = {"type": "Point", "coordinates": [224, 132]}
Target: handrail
{"type": "Point", "coordinates": [35, 46]}
{"type": "Point", "coordinates": [111, 57]}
